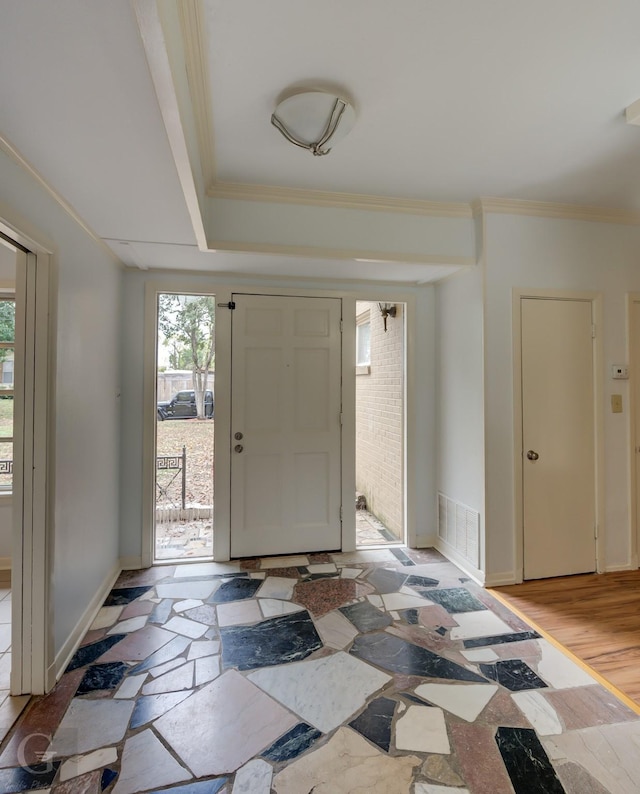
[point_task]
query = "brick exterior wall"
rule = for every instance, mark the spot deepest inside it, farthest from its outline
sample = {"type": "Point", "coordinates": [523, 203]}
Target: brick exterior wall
{"type": "Point", "coordinates": [380, 419]}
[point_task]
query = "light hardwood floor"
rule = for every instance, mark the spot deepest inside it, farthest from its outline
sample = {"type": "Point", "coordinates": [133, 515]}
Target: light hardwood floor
{"type": "Point", "coordinates": [595, 616]}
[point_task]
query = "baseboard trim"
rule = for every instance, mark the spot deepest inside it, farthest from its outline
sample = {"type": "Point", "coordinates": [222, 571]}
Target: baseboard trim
{"type": "Point", "coordinates": [72, 642]}
{"type": "Point", "coordinates": [131, 563]}
{"type": "Point", "coordinates": [501, 579]}
{"type": "Point", "coordinates": [425, 542]}
{"type": "Point", "coordinates": [615, 568]}
{"type": "Point", "coordinates": [451, 554]}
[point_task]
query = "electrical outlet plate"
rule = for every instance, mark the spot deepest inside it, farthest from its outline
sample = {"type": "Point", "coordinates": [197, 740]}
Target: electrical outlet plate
{"type": "Point", "coordinates": [619, 371]}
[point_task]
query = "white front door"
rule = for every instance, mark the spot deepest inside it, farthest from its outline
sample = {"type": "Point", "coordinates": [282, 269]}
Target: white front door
{"type": "Point", "coordinates": [285, 425]}
{"type": "Point", "coordinates": [558, 437]}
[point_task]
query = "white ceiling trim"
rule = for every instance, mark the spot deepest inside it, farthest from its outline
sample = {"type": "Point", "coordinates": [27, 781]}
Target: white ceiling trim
{"type": "Point", "coordinates": [550, 209]}
{"type": "Point", "coordinates": [320, 198]}
{"type": "Point", "coordinates": [11, 151]}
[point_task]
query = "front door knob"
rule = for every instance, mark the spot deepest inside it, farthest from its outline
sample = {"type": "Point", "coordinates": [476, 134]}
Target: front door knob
{"type": "Point", "coordinates": [238, 436]}
{"type": "Point", "coordinates": [532, 455]}
{"type": "Point", "coordinates": [238, 447]}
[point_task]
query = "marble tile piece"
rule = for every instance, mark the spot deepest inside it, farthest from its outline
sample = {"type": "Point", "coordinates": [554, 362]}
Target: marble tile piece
{"type": "Point", "coordinates": [146, 764]}
{"type": "Point", "coordinates": [188, 603]}
{"type": "Point", "coordinates": [376, 600]}
{"type": "Point", "coordinates": [201, 648]}
{"type": "Point", "coordinates": [90, 724]}
{"type": "Point", "coordinates": [335, 630]}
{"type": "Point", "coordinates": [350, 573]}
{"type": "Point", "coordinates": [456, 600]}
{"type": "Point", "coordinates": [89, 783]}
{"type": "Point", "coordinates": [577, 780]}
{"type": "Point", "coordinates": [438, 768]}
{"type": "Point", "coordinates": [36, 776]}
{"type": "Point", "coordinates": [200, 590]}
{"type": "Point", "coordinates": [366, 617]}
{"type": "Point", "coordinates": [164, 668]}
{"type": "Point", "coordinates": [10, 710]}
{"type": "Point", "coordinates": [374, 723]}
{"type": "Point", "coordinates": [480, 763]}
{"type": "Point", "coordinates": [283, 562]}
{"type": "Point", "coordinates": [421, 581]}
{"type": "Point", "coordinates": [126, 626]}
{"type": "Point", "coordinates": [205, 614]}
{"type": "Point", "coordinates": [253, 778]}
{"type": "Point", "coordinates": [135, 609]}
{"type": "Point", "coordinates": [588, 706]}
{"type": "Point", "coordinates": [87, 654]}
{"type": "Point", "coordinates": [144, 576]}
{"type": "Point", "coordinates": [257, 575]}
{"type": "Point", "coordinates": [519, 636]}
{"type": "Point", "coordinates": [107, 778]}
{"type": "Point", "coordinates": [205, 569]}
{"type": "Point", "coordinates": [526, 761]}
{"type": "Point", "coordinates": [81, 764]}
{"type": "Point", "coordinates": [186, 627]}
{"type": "Point", "coordinates": [102, 676]}
{"type": "Point", "coordinates": [148, 708]}
{"type": "Point", "coordinates": [125, 595]}
{"type": "Point", "coordinates": [386, 580]}
{"type": "Point", "coordinates": [368, 555]}
{"type": "Point", "coordinates": [347, 763]}
{"type": "Point", "coordinates": [167, 652]}
{"type": "Point", "coordinates": [422, 729]}
{"type": "Point", "coordinates": [271, 607]}
{"type": "Point", "coordinates": [106, 617]}
{"type": "Point", "coordinates": [430, 788]}
{"type": "Point", "coordinates": [229, 707]}
{"type": "Point", "coordinates": [399, 656]}
{"type": "Point", "coordinates": [236, 589]}
{"type": "Point", "coordinates": [540, 713]}
{"type": "Point", "coordinates": [558, 670]}
{"type": "Point", "coordinates": [173, 681]}
{"type": "Point", "coordinates": [200, 787]}
{"type": "Point", "coordinates": [279, 587]}
{"type": "Point", "coordinates": [160, 613]}
{"type": "Point", "coordinates": [292, 744]}
{"type": "Point", "coordinates": [478, 624]}
{"type": "Point", "coordinates": [324, 595]}
{"type": "Point", "coordinates": [463, 700]}
{"type": "Point", "coordinates": [404, 601]}
{"type": "Point", "coordinates": [514, 674]}
{"type": "Point", "coordinates": [322, 567]}
{"type": "Point", "coordinates": [435, 617]}
{"type": "Point", "coordinates": [207, 669]}
{"type": "Point", "coordinates": [323, 692]}
{"type": "Point", "coordinates": [238, 612]}
{"type": "Point", "coordinates": [138, 645]}
{"type": "Point", "coordinates": [607, 752]}
{"type": "Point", "coordinates": [130, 687]}
{"type": "Point", "coordinates": [480, 655]}
{"type": "Point", "coordinates": [275, 641]}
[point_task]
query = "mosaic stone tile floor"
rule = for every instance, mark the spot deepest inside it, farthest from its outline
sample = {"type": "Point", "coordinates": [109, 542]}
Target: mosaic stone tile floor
{"type": "Point", "coordinates": [383, 671]}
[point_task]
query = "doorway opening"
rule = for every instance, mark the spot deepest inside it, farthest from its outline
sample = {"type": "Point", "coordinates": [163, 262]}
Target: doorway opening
{"type": "Point", "coordinates": [184, 427]}
{"type": "Point", "coordinates": [380, 423]}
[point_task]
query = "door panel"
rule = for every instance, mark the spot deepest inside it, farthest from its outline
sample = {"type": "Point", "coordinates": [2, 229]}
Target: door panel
{"type": "Point", "coordinates": [286, 402]}
{"type": "Point", "coordinates": [558, 425]}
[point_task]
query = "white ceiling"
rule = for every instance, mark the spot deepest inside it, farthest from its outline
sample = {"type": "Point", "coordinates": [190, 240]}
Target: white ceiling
{"type": "Point", "coordinates": [455, 100]}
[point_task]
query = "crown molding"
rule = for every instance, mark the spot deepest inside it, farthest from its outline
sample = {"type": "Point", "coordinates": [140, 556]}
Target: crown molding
{"type": "Point", "coordinates": [352, 254]}
{"type": "Point", "coordinates": [192, 25]}
{"type": "Point", "coordinates": [321, 198]}
{"type": "Point", "coordinates": [550, 209]}
{"type": "Point", "coordinates": [10, 150]}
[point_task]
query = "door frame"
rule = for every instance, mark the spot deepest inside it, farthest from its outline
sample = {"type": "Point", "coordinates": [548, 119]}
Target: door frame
{"type": "Point", "coordinates": [223, 290]}
{"type": "Point", "coordinates": [633, 331]}
{"type": "Point", "coordinates": [595, 298]}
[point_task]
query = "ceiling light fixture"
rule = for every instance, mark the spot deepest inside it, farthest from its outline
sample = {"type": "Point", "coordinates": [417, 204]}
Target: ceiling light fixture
{"type": "Point", "coordinates": [313, 119]}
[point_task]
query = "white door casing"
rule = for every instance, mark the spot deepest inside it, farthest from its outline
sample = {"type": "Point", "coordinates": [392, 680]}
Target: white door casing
{"type": "Point", "coordinates": [286, 404]}
{"type": "Point", "coordinates": [558, 425]}
{"type": "Point", "coordinates": [634, 363]}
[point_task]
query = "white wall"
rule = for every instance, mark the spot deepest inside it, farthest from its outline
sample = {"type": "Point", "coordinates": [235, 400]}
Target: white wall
{"type": "Point", "coordinates": [86, 424]}
{"type": "Point", "coordinates": [459, 388]}
{"type": "Point", "coordinates": [547, 253]}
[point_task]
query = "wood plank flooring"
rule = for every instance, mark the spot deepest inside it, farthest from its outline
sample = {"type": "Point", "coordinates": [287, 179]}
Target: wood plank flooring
{"type": "Point", "coordinates": [595, 616]}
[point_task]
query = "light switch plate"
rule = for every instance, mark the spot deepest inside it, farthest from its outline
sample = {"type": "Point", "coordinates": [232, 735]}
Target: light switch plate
{"type": "Point", "coordinates": [616, 403]}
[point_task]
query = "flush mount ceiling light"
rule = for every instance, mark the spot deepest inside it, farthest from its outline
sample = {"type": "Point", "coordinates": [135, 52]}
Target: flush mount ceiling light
{"type": "Point", "coordinates": [314, 119]}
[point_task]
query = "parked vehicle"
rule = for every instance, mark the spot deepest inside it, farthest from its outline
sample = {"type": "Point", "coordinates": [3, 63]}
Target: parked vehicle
{"type": "Point", "coordinates": [183, 406]}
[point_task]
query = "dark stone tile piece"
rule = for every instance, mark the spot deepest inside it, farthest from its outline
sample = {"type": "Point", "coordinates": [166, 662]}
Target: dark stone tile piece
{"type": "Point", "coordinates": [102, 676]}
{"type": "Point", "coordinates": [498, 639]}
{"type": "Point", "coordinates": [386, 581]}
{"type": "Point", "coordinates": [161, 612]}
{"type": "Point", "coordinates": [302, 569]}
{"type": "Point", "coordinates": [125, 595]}
{"type": "Point", "coordinates": [169, 651]}
{"type": "Point", "coordinates": [456, 599]}
{"type": "Point", "coordinates": [399, 656]}
{"type": "Point", "coordinates": [287, 638]}
{"type": "Point", "coordinates": [237, 589]}
{"type": "Point", "coordinates": [313, 576]}
{"type": "Point", "coordinates": [514, 674]}
{"type": "Point", "coordinates": [407, 562]}
{"type": "Point", "coordinates": [410, 616]}
{"type": "Point", "coordinates": [415, 699]}
{"type": "Point", "coordinates": [200, 787]}
{"type": "Point", "coordinates": [108, 776]}
{"type": "Point", "coordinates": [294, 742]}
{"type": "Point", "coordinates": [441, 631]}
{"type": "Point", "coordinates": [89, 653]}
{"type": "Point", "coordinates": [365, 617]}
{"type": "Point", "coordinates": [149, 707]}
{"type": "Point", "coordinates": [421, 581]}
{"type": "Point", "coordinates": [375, 722]}
{"type": "Point", "coordinates": [400, 555]}
{"type": "Point", "coordinates": [28, 778]}
{"type": "Point", "coordinates": [526, 761]}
